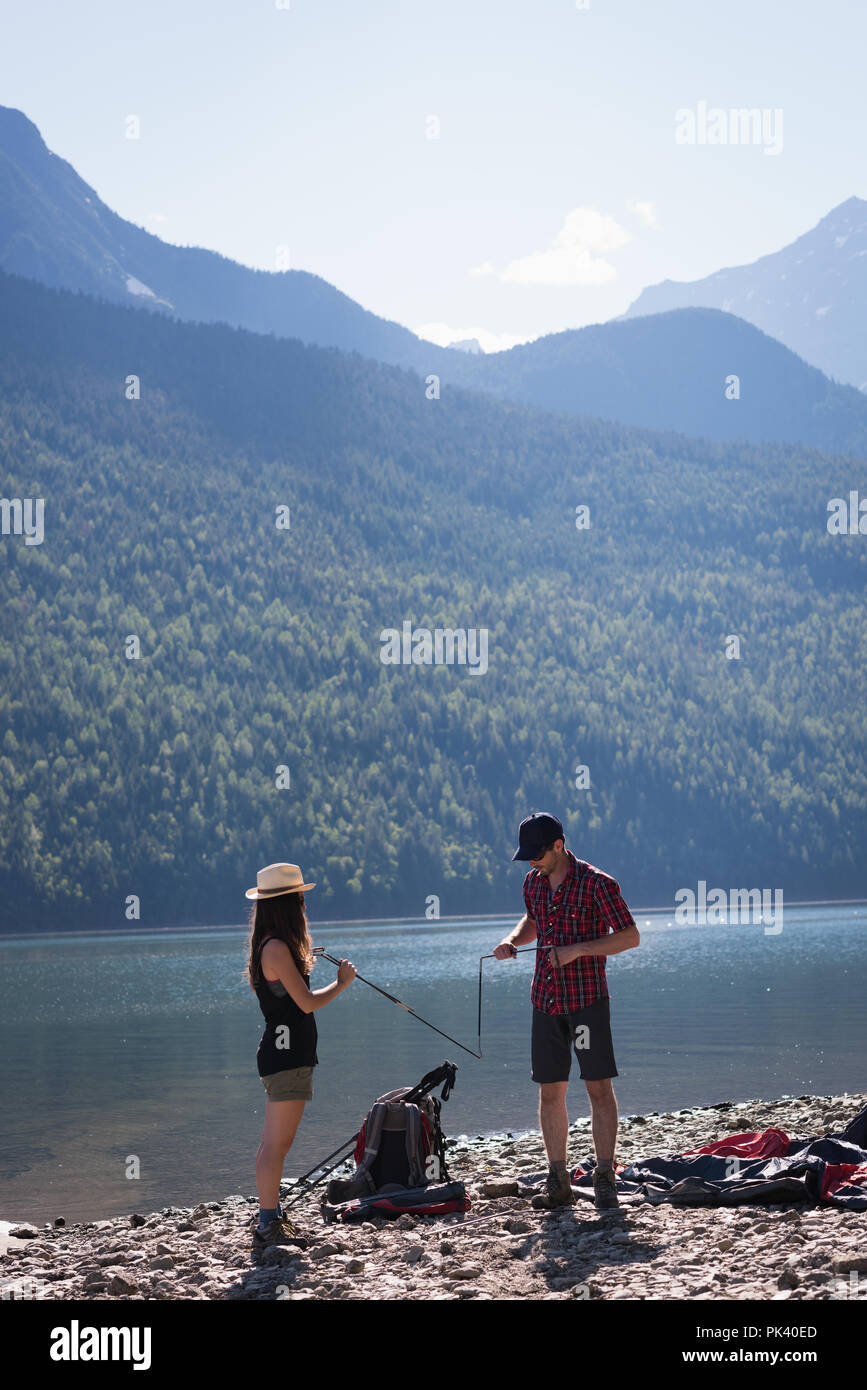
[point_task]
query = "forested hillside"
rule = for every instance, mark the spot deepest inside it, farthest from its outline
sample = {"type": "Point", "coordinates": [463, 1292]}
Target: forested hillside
{"type": "Point", "coordinates": [699, 371]}
{"type": "Point", "coordinates": [260, 647]}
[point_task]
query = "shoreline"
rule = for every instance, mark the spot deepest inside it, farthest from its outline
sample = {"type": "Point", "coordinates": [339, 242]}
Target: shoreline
{"type": "Point", "coordinates": [480, 917]}
{"type": "Point", "coordinates": [465, 1138]}
{"type": "Point", "coordinates": [502, 1248]}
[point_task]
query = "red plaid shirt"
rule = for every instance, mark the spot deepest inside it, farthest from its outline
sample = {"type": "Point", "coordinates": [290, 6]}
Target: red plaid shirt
{"type": "Point", "coordinates": [586, 905]}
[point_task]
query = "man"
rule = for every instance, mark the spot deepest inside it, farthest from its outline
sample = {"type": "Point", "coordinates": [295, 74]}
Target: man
{"type": "Point", "coordinates": [568, 901]}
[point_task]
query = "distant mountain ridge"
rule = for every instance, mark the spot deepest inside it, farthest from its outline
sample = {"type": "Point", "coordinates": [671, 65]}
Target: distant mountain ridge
{"type": "Point", "coordinates": [811, 295]}
{"type": "Point", "coordinates": [55, 229]}
{"type": "Point", "coordinates": [467, 345]}
{"type": "Point", "coordinates": [666, 371]}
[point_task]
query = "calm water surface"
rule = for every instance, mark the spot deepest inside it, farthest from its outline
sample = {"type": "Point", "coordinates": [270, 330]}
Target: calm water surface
{"type": "Point", "coordinates": [145, 1044]}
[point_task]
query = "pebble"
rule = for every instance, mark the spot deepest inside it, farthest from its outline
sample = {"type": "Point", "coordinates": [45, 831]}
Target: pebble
{"type": "Point", "coordinates": [500, 1188]}
{"type": "Point", "coordinates": [843, 1264]}
{"type": "Point", "coordinates": [121, 1283]}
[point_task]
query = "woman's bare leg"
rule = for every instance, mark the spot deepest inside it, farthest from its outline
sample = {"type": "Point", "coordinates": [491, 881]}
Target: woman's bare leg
{"type": "Point", "coordinates": [282, 1118]}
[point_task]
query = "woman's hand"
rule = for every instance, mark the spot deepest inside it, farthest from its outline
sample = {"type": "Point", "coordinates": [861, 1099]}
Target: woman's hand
{"type": "Point", "coordinates": [346, 972]}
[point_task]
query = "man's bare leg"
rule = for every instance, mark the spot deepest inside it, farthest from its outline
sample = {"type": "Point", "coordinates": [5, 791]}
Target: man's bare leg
{"type": "Point", "coordinates": [554, 1124]}
{"type": "Point", "coordinates": [603, 1120]}
{"type": "Point", "coordinates": [554, 1119]}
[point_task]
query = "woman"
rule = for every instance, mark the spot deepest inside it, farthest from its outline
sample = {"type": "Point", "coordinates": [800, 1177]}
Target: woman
{"type": "Point", "coordinates": [281, 958]}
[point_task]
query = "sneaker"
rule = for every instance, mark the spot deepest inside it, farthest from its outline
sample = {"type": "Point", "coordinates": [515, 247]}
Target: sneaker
{"type": "Point", "coordinates": [558, 1192]}
{"type": "Point", "coordinates": [604, 1190]}
{"type": "Point", "coordinates": [280, 1231]}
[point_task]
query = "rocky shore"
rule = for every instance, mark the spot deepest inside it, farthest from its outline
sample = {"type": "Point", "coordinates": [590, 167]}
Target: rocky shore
{"type": "Point", "coordinates": [501, 1249]}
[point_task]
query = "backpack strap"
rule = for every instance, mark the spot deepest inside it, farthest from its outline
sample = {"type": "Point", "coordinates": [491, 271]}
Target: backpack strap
{"type": "Point", "coordinates": [372, 1136]}
{"type": "Point", "coordinates": [417, 1175]}
{"type": "Point", "coordinates": [445, 1073]}
{"type": "Point", "coordinates": [437, 1140]}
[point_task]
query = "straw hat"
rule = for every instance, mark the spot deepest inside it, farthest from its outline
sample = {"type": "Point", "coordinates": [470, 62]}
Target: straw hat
{"type": "Point", "coordinates": [276, 879]}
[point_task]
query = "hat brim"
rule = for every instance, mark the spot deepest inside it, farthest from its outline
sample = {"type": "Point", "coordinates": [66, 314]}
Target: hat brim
{"type": "Point", "coordinates": [531, 854]}
{"type": "Point", "coordinates": [280, 892]}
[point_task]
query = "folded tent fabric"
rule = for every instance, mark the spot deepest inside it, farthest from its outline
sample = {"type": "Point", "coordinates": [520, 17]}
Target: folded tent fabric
{"type": "Point", "coordinates": [844, 1181]}
{"type": "Point", "coordinates": [770, 1144]}
{"type": "Point", "coordinates": [745, 1168]}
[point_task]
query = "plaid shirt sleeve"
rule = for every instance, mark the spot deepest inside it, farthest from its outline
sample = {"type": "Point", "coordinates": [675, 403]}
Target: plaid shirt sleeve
{"type": "Point", "coordinates": [611, 911]}
{"type": "Point", "coordinates": [527, 905]}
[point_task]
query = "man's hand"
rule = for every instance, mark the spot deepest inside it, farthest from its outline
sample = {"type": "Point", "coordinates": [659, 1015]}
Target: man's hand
{"type": "Point", "coordinates": [610, 945]}
{"type": "Point", "coordinates": [523, 934]}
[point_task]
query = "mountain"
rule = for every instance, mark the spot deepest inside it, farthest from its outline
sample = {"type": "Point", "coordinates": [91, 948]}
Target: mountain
{"type": "Point", "coordinates": [55, 229]}
{"type": "Point", "coordinates": [698, 371]}
{"type": "Point", "coordinates": [662, 372]}
{"type": "Point", "coordinates": [811, 295]}
{"type": "Point", "coordinates": [192, 680]}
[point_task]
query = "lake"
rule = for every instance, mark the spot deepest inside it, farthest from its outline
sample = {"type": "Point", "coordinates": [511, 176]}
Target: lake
{"type": "Point", "coordinates": [144, 1043]}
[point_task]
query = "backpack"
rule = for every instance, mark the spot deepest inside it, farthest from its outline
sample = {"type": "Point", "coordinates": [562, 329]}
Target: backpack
{"type": "Point", "coordinates": [400, 1152]}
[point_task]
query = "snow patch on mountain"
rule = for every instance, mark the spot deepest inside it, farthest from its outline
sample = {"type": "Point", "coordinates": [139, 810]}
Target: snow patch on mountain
{"type": "Point", "coordinates": [136, 287]}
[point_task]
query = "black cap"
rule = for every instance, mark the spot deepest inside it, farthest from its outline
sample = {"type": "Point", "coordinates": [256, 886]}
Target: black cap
{"type": "Point", "coordinates": [535, 833]}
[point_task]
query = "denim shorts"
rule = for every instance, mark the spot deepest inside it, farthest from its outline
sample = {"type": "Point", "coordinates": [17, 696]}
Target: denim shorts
{"type": "Point", "coordinates": [553, 1036]}
{"type": "Point", "coordinates": [294, 1084]}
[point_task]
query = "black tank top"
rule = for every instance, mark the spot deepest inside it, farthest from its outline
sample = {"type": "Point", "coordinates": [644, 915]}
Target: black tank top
{"type": "Point", "coordinates": [290, 1035]}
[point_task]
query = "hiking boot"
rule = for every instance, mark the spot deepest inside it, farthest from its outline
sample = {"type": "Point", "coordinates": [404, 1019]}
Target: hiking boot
{"type": "Point", "coordinates": [280, 1231]}
{"type": "Point", "coordinates": [558, 1192]}
{"type": "Point", "coordinates": [604, 1189]}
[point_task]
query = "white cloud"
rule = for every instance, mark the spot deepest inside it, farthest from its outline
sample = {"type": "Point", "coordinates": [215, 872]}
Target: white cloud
{"type": "Point", "coordinates": [575, 257]}
{"type": "Point", "coordinates": [485, 268]}
{"type": "Point", "coordinates": [645, 212]}
{"type": "Point", "coordinates": [443, 333]}
{"type": "Point", "coordinates": [157, 217]}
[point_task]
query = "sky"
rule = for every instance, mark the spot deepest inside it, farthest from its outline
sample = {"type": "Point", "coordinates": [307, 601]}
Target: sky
{"type": "Point", "coordinates": [469, 168]}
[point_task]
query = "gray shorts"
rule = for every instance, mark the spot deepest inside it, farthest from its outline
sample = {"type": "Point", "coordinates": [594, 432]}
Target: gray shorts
{"type": "Point", "coordinates": [296, 1083]}
{"type": "Point", "coordinates": [553, 1036]}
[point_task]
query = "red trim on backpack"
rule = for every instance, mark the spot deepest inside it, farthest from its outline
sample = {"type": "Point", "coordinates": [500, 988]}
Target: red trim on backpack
{"type": "Point", "coordinates": [427, 1142]}
{"type": "Point", "coordinates": [430, 1209]}
{"type": "Point", "coordinates": [360, 1144]}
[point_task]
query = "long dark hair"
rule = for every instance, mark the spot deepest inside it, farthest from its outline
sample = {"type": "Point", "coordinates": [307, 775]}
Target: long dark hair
{"type": "Point", "coordinates": [284, 917]}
